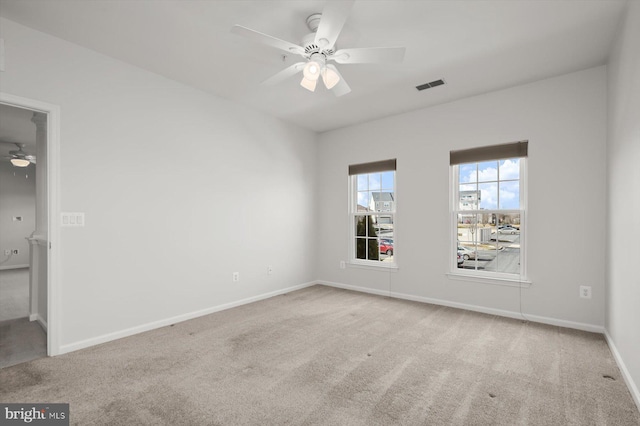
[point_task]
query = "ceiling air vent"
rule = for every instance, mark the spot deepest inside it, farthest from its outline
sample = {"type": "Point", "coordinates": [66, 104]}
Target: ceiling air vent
{"type": "Point", "coordinates": [430, 85]}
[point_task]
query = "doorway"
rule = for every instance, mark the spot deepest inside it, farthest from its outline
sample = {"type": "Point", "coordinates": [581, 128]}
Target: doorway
{"type": "Point", "coordinates": [28, 153]}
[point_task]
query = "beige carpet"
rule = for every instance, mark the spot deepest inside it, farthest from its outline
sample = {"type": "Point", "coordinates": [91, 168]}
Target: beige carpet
{"type": "Point", "coordinates": [327, 356]}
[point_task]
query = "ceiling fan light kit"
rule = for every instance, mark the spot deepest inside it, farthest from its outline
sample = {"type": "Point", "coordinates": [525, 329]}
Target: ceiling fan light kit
{"type": "Point", "coordinates": [315, 68]}
{"type": "Point", "coordinates": [20, 162]}
{"type": "Point", "coordinates": [330, 78]}
{"type": "Point", "coordinates": [309, 84]}
{"type": "Point", "coordinates": [311, 70]}
{"type": "Point", "coordinates": [18, 157]}
{"type": "Point", "coordinates": [319, 46]}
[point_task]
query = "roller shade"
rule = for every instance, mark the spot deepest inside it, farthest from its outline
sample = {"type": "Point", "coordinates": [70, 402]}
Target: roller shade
{"type": "Point", "coordinates": [492, 152]}
{"type": "Point", "coordinates": [377, 166]}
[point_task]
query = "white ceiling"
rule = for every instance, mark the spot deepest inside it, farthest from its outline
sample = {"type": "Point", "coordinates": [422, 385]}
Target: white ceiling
{"type": "Point", "coordinates": [475, 46]}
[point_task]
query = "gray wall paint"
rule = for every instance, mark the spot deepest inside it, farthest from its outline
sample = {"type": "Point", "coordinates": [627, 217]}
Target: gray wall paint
{"type": "Point", "coordinates": [179, 188]}
{"type": "Point", "coordinates": [623, 230]}
{"type": "Point", "coordinates": [560, 117]}
{"type": "Point", "coordinates": [17, 198]}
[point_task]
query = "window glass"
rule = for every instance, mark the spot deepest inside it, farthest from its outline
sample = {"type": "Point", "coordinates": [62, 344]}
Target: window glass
{"type": "Point", "coordinates": [374, 216]}
{"type": "Point", "coordinates": [509, 195]}
{"type": "Point", "coordinates": [468, 173]}
{"type": "Point", "coordinates": [487, 171]}
{"type": "Point", "coordinates": [488, 194]}
{"type": "Point", "coordinates": [488, 216]}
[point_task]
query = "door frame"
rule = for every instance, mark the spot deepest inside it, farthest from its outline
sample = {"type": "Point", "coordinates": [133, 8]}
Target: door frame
{"type": "Point", "coordinates": [53, 211]}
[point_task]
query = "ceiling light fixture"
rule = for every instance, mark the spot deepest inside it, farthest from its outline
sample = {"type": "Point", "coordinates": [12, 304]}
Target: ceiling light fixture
{"type": "Point", "coordinates": [312, 69]}
{"type": "Point", "coordinates": [20, 162]}
{"type": "Point", "coordinates": [315, 68]}
{"type": "Point", "coordinates": [18, 157]}
{"type": "Point", "coordinates": [308, 84]}
{"type": "Point", "coordinates": [319, 47]}
{"type": "Point", "coordinates": [330, 77]}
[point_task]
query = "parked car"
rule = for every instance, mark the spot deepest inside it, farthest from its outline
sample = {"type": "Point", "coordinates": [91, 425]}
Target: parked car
{"type": "Point", "coordinates": [460, 260]}
{"type": "Point", "coordinates": [386, 247]}
{"type": "Point", "coordinates": [508, 230]}
{"type": "Point", "coordinates": [467, 253]}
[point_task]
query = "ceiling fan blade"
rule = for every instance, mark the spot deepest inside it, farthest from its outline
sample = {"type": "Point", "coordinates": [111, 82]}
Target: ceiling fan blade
{"type": "Point", "coordinates": [284, 74]}
{"type": "Point", "coordinates": [369, 55]}
{"type": "Point", "coordinates": [334, 15]}
{"type": "Point", "coordinates": [267, 39]}
{"type": "Point", "coordinates": [342, 88]}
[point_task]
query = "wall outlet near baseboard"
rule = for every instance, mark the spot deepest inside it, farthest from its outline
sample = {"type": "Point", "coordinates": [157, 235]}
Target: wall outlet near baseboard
{"type": "Point", "coordinates": [585, 291]}
{"type": "Point", "coordinates": [236, 277]}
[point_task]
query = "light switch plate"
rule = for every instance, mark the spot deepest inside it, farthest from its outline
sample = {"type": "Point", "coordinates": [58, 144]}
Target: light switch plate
{"type": "Point", "coordinates": [72, 219]}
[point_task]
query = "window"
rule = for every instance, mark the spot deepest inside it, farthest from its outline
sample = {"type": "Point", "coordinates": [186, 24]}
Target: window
{"type": "Point", "coordinates": [488, 211]}
{"type": "Point", "coordinates": [372, 210]}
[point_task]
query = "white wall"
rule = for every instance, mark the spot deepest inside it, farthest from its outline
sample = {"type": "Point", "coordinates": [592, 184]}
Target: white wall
{"type": "Point", "coordinates": [17, 198]}
{"type": "Point", "coordinates": [623, 230]}
{"type": "Point", "coordinates": [564, 120]}
{"type": "Point", "coordinates": [179, 188]}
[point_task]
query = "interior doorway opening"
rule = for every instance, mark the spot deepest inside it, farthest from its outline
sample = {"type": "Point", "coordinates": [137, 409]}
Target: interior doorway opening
{"type": "Point", "coordinates": [28, 167]}
{"type": "Point", "coordinates": [23, 231]}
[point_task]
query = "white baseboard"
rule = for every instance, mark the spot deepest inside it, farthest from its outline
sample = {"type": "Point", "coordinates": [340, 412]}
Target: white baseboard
{"type": "Point", "coordinates": [41, 321]}
{"type": "Point", "coordinates": [633, 388]}
{"type": "Point", "coordinates": [2, 268]}
{"type": "Point", "coordinates": [174, 320]}
{"type": "Point", "coordinates": [491, 311]}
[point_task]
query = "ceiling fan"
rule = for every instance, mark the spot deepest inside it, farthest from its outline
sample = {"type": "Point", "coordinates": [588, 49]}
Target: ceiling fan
{"type": "Point", "coordinates": [18, 157]}
{"type": "Point", "coordinates": [318, 48]}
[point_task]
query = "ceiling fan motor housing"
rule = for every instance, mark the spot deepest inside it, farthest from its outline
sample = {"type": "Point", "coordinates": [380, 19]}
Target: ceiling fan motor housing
{"type": "Point", "coordinates": [310, 46]}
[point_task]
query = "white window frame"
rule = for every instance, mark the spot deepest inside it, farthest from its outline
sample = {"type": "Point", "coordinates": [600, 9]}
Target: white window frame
{"type": "Point", "coordinates": [353, 213]}
{"type": "Point", "coordinates": [502, 278]}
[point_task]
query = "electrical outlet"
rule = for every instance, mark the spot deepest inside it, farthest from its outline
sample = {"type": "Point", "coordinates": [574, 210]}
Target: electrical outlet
{"type": "Point", "coordinates": [585, 291]}
{"type": "Point", "coordinates": [236, 277]}
{"type": "Point", "coordinates": [269, 270]}
{"type": "Point", "coordinates": [343, 264]}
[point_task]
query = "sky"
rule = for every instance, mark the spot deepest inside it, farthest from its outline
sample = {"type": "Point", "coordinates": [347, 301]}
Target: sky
{"type": "Point", "coordinates": [373, 182]}
{"type": "Point", "coordinates": [498, 182]}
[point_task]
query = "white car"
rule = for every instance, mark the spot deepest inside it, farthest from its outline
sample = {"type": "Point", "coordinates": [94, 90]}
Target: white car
{"type": "Point", "coordinates": [508, 230]}
{"type": "Point", "coordinates": [467, 253]}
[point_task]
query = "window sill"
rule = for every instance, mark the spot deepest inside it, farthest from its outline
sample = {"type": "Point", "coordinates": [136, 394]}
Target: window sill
{"type": "Point", "coordinates": [378, 266]}
{"type": "Point", "coordinates": [509, 282]}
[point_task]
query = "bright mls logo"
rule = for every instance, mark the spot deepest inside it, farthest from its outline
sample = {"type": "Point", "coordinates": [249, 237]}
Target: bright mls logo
{"type": "Point", "coordinates": [35, 414]}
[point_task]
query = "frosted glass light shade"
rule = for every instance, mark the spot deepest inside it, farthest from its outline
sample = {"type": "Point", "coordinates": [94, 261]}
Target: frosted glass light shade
{"type": "Point", "coordinates": [311, 70]}
{"type": "Point", "coordinates": [19, 162]}
{"type": "Point", "coordinates": [309, 84]}
{"type": "Point", "coordinates": [330, 77]}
